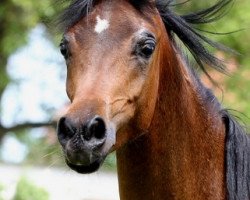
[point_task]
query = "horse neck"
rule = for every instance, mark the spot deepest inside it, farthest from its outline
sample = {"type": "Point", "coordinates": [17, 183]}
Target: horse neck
{"type": "Point", "coordinates": [182, 155]}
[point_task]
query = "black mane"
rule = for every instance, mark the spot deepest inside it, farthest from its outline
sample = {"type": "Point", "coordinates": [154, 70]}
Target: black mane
{"type": "Point", "coordinates": [237, 159]}
{"type": "Point", "coordinates": [237, 142]}
{"type": "Point", "coordinates": [182, 27]}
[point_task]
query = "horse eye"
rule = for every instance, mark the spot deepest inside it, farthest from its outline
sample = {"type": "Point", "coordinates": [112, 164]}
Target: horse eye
{"type": "Point", "coordinates": [145, 48]}
{"type": "Point", "coordinates": [64, 50]}
{"type": "Point", "coordinates": [148, 48]}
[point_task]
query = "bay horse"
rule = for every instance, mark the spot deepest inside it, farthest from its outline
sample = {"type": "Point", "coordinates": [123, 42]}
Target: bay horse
{"type": "Point", "coordinates": [133, 91]}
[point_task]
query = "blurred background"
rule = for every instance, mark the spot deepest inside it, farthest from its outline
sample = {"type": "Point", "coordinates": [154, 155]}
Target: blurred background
{"type": "Point", "coordinates": [32, 97]}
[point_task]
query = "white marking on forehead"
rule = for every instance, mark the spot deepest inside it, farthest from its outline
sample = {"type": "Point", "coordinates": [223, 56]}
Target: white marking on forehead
{"type": "Point", "coordinates": [101, 24]}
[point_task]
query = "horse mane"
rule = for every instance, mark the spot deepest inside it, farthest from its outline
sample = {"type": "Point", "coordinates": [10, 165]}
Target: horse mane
{"type": "Point", "coordinates": [182, 26]}
{"type": "Point", "coordinates": [237, 159]}
{"type": "Point", "coordinates": [237, 141]}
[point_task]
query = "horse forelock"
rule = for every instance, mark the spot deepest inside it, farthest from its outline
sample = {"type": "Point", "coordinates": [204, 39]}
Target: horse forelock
{"type": "Point", "coordinates": [78, 9]}
{"type": "Point", "coordinates": [74, 12]}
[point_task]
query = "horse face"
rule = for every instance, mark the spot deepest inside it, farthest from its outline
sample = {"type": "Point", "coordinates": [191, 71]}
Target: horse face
{"type": "Point", "coordinates": [112, 82]}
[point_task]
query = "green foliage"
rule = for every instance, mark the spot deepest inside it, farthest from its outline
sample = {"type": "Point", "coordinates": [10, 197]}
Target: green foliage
{"type": "Point", "coordinates": [18, 17]}
{"type": "Point", "coordinates": [238, 93]}
{"type": "Point", "coordinates": [26, 190]}
{"type": "Point", "coordinates": [41, 150]}
{"type": "Point", "coordinates": [238, 85]}
{"type": "Point", "coordinates": [1, 190]}
{"type": "Point", "coordinates": [42, 153]}
{"type": "Point", "coordinates": [110, 163]}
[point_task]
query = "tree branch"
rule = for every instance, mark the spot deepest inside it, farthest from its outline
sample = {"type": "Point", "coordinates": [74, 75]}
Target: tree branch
{"type": "Point", "coordinates": [18, 127]}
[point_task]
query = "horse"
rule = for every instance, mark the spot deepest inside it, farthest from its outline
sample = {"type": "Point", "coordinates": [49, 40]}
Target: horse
{"type": "Point", "coordinates": [133, 91]}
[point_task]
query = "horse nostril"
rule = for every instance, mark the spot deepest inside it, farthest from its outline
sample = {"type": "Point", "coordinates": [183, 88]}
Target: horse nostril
{"type": "Point", "coordinates": [97, 128]}
{"type": "Point", "coordinates": [94, 129]}
{"type": "Point", "coordinates": [65, 129]}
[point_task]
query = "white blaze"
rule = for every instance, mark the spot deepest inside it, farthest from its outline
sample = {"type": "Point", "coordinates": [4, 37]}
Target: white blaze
{"type": "Point", "coordinates": [101, 24]}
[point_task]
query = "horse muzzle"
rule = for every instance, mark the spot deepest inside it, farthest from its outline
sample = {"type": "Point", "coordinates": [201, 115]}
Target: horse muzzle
{"type": "Point", "coordinates": [85, 144]}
